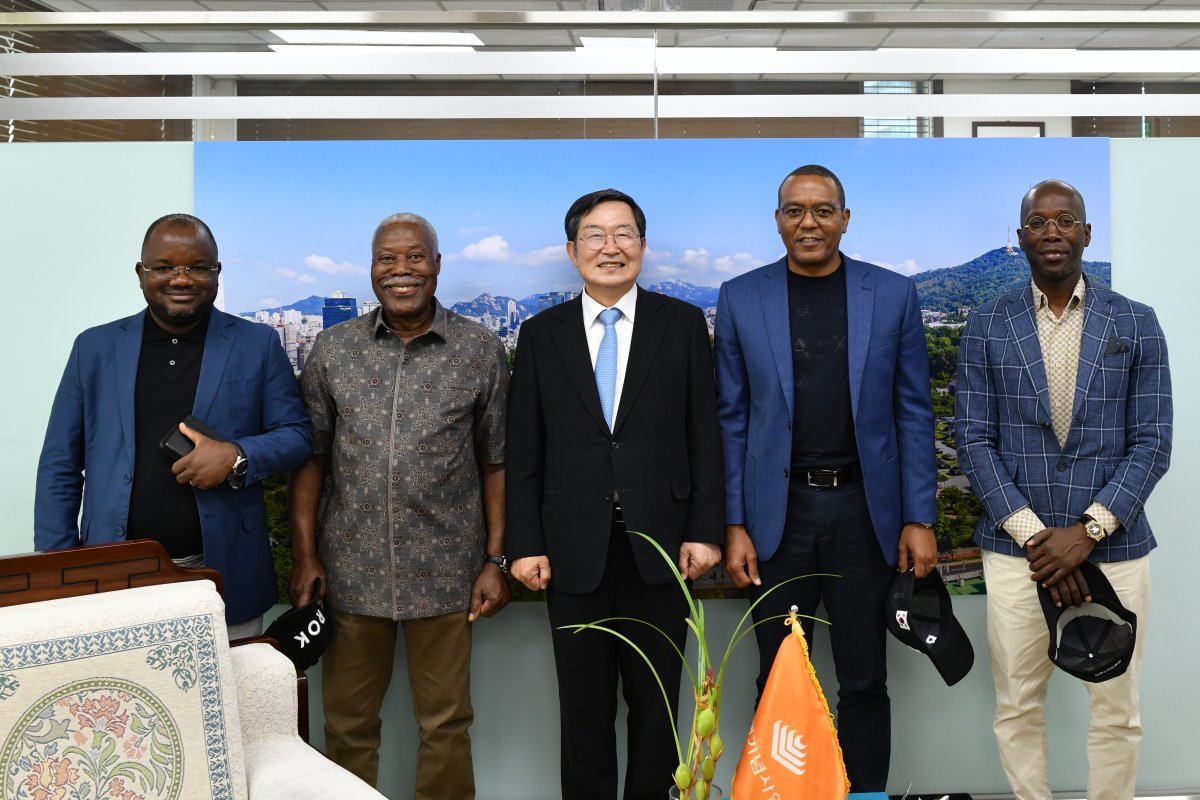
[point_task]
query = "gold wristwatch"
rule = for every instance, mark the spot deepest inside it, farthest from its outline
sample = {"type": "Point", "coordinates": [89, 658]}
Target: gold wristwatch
{"type": "Point", "coordinates": [1093, 528]}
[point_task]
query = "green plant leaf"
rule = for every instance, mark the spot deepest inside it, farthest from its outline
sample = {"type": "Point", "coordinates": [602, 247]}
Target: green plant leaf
{"type": "Point", "coordinates": [662, 689]}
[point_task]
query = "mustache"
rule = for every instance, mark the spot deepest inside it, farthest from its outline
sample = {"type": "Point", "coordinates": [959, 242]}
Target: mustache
{"type": "Point", "coordinates": [402, 280]}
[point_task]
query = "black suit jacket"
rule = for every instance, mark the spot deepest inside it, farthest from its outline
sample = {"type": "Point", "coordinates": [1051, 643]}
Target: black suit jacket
{"type": "Point", "coordinates": [563, 466]}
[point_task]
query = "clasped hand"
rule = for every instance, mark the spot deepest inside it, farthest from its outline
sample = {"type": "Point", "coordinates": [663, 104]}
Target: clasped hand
{"type": "Point", "coordinates": [1054, 556]}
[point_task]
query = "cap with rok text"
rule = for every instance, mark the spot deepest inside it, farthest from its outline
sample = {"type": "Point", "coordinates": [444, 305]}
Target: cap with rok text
{"type": "Point", "coordinates": [302, 633]}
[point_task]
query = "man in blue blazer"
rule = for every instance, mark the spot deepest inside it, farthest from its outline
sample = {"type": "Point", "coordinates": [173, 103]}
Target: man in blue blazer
{"type": "Point", "coordinates": [827, 425]}
{"type": "Point", "coordinates": [1063, 419]}
{"type": "Point", "coordinates": [129, 382]}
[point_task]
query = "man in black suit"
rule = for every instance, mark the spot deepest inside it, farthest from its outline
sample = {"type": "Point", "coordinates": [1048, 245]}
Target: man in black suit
{"type": "Point", "coordinates": [612, 428]}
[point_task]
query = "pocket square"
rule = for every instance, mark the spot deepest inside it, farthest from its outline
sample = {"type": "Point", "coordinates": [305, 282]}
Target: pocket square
{"type": "Point", "coordinates": [1116, 346]}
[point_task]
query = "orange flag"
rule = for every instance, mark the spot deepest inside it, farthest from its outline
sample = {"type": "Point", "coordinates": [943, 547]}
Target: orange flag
{"type": "Point", "coordinates": [792, 752]}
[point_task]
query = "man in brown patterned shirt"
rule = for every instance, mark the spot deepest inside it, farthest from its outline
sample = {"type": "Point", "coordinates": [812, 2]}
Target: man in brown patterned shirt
{"type": "Point", "coordinates": [408, 411]}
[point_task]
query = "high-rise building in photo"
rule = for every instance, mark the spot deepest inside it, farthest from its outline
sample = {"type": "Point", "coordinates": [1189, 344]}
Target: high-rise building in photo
{"type": "Point", "coordinates": [338, 308]}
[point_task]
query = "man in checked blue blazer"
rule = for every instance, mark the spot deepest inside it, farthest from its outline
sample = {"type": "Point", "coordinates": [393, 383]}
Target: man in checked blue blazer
{"type": "Point", "coordinates": [826, 421]}
{"type": "Point", "coordinates": [130, 381]}
{"type": "Point", "coordinates": [1063, 420]}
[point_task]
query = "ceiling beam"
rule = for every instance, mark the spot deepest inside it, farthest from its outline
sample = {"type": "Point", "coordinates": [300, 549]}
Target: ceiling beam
{"type": "Point", "coordinates": [989, 106]}
{"type": "Point", "coordinates": [616, 62]}
{"type": "Point", "coordinates": [608, 20]}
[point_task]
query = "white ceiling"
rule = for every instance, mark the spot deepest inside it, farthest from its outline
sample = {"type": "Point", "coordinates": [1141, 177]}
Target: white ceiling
{"type": "Point", "coordinates": [504, 46]}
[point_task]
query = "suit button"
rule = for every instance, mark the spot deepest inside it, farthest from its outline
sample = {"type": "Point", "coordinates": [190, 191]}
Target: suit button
{"type": "Point", "coordinates": [789, 424]}
{"type": "Point", "coordinates": [616, 445]}
{"type": "Point", "coordinates": [1062, 466]}
{"type": "Point", "coordinates": [785, 472]}
{"type": "Point", "coordinates": [608, 496]}
{"type": "Point", "coordinates": [126, 478]}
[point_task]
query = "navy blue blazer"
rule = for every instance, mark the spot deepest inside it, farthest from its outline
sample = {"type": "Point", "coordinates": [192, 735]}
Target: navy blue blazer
{"type": "Point", "coordinates": [1119, 443]}
{"type": "Point", "coordinates": [247, 392]}
{"type": "Point", "coordinates": [889, 399]}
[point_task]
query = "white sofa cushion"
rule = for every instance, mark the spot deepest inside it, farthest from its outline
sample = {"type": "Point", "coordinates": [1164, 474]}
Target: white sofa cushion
{"type": "Point", "coordinates": [130, 692]}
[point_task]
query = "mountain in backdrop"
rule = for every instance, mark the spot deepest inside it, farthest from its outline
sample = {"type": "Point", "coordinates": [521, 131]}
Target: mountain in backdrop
{"type": "Point", "coordinates": [498, 306]}
{"type": "Point", "coordinates": [702, 296]}
{"type": "Point", "coordinates": [946, 289]}
{"type": "Point", "coordinates": [980, 279]}
{"type": "Point", "coordinates": [309, 305]}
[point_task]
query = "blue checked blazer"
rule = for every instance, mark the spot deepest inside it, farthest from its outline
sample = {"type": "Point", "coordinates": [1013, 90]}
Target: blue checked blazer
{"type": "Point", "coordinates": [1119, 443]}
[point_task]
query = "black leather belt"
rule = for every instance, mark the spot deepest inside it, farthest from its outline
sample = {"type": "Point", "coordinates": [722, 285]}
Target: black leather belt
{"type": "Point", "coordinates": [838, 476]}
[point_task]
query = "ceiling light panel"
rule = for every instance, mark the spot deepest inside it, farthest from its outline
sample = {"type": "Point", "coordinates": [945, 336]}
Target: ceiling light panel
{"type": "Point", "coordinates": [452, 38]}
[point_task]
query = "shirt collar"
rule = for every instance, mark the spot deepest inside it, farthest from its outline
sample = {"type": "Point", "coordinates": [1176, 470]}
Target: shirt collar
{"type": "Point", "coordinates": [438, 327]}
{"type": "Point", "coordinates": [627, 305]}
{"type": "Point", "coordinates": [1077, 294]}
{"type": "Point", "coordinates": [152, 331]}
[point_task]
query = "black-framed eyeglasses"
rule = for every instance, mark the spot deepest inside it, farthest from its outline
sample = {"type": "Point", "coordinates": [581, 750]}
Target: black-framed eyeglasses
{"type": "Point", "coordinates": [1064, 223]}
{"type": "Point", "coordinates": [626, 240]}
{"type": "Point", "coordinates": [199, 272]}
{"type": "Point", "coordinates": [821, 213]}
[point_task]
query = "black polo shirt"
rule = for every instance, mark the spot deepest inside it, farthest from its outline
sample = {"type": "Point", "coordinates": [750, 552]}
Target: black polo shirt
{"type": "Point", "coordinates": [168, 371]}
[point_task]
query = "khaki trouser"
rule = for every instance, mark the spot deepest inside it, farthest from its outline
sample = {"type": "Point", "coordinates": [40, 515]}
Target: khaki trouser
{"type": "Point", "coordinates": [356, 671]}
{"type": "Point", "coordinates": [1018, 639]}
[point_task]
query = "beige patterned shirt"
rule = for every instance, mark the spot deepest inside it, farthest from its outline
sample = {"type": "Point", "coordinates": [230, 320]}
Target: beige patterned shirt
{"type": "Point", "coordinates": [1060, 338]}
{"type": "Point", "coordinates": [401, 530]}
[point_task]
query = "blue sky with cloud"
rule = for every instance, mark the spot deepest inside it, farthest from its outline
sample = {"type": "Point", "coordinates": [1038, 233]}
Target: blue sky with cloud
{"type": "Point", "coordinates": [295, 218]}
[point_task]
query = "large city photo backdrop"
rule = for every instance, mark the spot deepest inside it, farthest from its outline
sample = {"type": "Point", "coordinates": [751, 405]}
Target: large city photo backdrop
{"type": "Point", "coordinates": [294, 222]}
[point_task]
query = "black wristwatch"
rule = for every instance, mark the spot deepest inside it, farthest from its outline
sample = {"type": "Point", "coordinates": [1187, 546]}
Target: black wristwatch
{"type": "Point", "coordinates": [237, 475]}
{"type": "Point", "coordinates": [499, 561]}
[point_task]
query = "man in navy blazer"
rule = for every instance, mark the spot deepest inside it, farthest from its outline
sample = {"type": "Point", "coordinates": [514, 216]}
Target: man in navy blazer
{"type": "Point", "coordinates": [1063, 418]}
{"type": "Point", "coordinates": [824, 400]}
{"type": "Point", "coordinates": [129, 382]}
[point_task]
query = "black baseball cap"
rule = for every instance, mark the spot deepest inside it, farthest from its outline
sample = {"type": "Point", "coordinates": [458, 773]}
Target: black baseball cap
{"type": "Point", "coordinates": [921, 616]}
{"type": "Point", "coordinates": [302, 633]}
{"type": "Point", "coordinates": [1093, 641]}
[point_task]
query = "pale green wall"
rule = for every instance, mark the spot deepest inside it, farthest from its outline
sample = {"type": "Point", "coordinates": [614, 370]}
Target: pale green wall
{"type": "Point", "coordinates": [74, 216]}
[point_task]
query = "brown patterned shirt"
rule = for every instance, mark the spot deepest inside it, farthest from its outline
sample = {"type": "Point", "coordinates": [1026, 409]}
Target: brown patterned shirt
{"type": "Point", "coordinates": [401, 531]}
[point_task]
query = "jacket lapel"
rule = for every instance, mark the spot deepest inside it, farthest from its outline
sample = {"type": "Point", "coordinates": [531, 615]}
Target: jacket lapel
{"type": "Point", "coordinates": [1097, 320]}
{"type": "Point", "coordinates": [860, 305]}
{"type": "Point", "coordinates": [773, 292]}
{"type": "Point", "coordinates": [129, 351]}
{"type": "Point", "coordinates": [572, 345]}
{"type": "Point", "coordinates": [649, 326]}
{"type": "Point", "coordinates": [1023, 324]}
{"type": "Point", "coordinates": [218, 344]}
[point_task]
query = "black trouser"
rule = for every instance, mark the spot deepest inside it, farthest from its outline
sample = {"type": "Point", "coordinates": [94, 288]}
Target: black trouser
{"type": "Point", "coordinates": [828, 529]}
{"type": "Point", "coordinates": [588, 665]}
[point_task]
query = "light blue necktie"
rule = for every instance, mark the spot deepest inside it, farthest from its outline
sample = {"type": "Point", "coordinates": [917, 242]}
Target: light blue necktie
{"type": "Point", "coordinates": [606, 363]}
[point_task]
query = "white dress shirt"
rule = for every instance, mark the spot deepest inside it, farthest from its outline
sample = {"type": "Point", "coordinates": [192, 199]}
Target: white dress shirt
{"type": "Point", "coordinates": [594, 329]}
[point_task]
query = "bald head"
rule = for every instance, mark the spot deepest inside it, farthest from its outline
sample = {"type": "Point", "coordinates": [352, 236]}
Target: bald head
{"type": "Point", "coordinates": [1058, 186]}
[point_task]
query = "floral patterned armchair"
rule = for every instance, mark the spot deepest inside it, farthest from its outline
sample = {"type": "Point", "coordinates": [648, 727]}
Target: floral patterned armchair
{"type": "Point", "coordinates": [135, 694]}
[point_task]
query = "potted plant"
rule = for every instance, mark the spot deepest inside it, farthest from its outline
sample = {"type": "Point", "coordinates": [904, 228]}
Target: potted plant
{"type": "Point", "coordinates": [698, 760]}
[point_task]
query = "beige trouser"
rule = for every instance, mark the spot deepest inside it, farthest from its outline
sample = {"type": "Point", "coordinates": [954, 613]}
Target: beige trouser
{"type": "Point", "coordinates": [1018, 639]}
{"type": "Point", "coordinates": [356, 671]}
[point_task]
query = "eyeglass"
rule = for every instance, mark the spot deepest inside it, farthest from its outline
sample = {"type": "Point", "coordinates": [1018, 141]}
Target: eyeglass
{"type": "Point", "coordinates": [1064, 223]}
{"type": "Point", "coordinates": [199, 272]}
{"type": "Point", "coordinates": [626, 240]}
{"type": "Point", "coordinates": [821, 213]}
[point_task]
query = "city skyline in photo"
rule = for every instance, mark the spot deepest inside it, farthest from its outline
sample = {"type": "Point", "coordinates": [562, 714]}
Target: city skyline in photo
{"type": "Point", "coordinates": [294, 219]}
